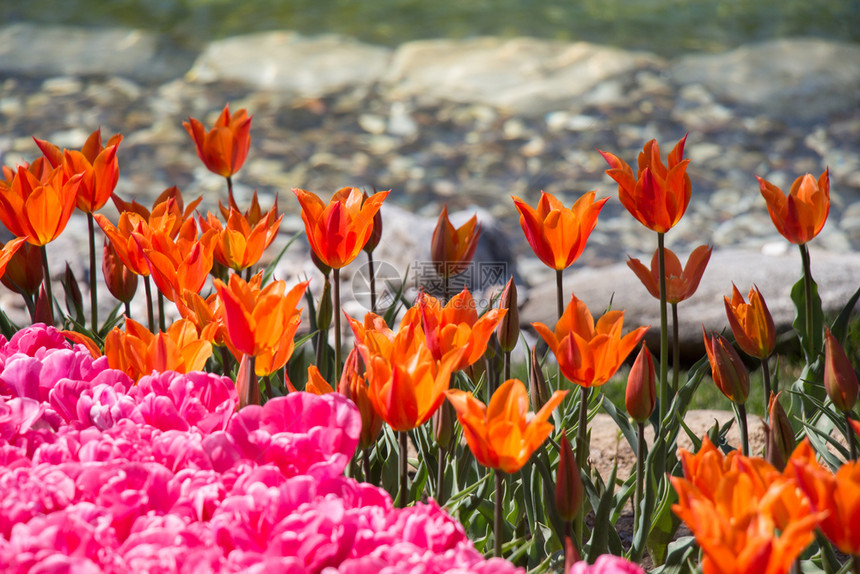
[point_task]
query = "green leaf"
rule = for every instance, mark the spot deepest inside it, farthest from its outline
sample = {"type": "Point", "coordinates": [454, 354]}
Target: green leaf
{"type": "Point", "coordinates": [621, 420]}
{"type": "Point", "coordinates": [679, 553]}
{"type": "Point", "coordinates": [599, 542]}
{"type": "Point", "coordinates": [7, 327]}
{"type": "Point", "coordinates": [270, 268]}
{"type": "Point", "coordinates": [839, 327]}
{"type": "Point", "coordinates": [811, 343]}
{"type": "Point", "coordinates": [664, 524]}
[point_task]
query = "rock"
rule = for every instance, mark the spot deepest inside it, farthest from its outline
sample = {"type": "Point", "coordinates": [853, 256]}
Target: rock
{"type": "Point", "coordinates": [71, 51]}
{"type": "Point", "coordinates": [308, 67]}
{"type": "Point", "coordinates": [805, 78]}
{"type": "Point", "coordinates": [519, 75]}
{"type": "Point", "coordinates": [837, 276]}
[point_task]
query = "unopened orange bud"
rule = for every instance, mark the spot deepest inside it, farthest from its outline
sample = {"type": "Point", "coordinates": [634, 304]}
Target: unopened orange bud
{"type": "Point", "coordinates": [376, 234]}
{"type": "Point", "coordinates": [508, 331]}
{"type": "Point", "coordinates": [641, 396]}
{"type": "Point", "coordinates": [443, 425]}
{"type": "Point", "coordinates": [74, 300]}
{"type": "Point", "coordinates": [452, 248]}
{"type": "Point", "coordinates": [568, 482]}
{"type": "Point", "coordinates": [780, 441]}
{"type": "Point", "coordinates": [840, 380]}
{"type": "Point", "coordinates": [120, 281]}
{"type": "Point", "coordinates": [24, 270]}
{"type": "Point", "coordinates": [729, 373]}
{"type": "Point", "coordinates": [324, 311]}
{"type": "Point", "coordinates": [751, 323]}
{"type": "Point", "coordinates": [44, 312]}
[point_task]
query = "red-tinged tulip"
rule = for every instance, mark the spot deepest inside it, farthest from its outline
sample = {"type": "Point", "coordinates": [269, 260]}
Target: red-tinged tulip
{"type": "Point", "coordinates": [353, 385]}
{"type": "Point", "coordinates": [837, 496]}
{"type": "Point", "coordinates": [24, 270]}
{"type": "Point", "coordinates": [8, 251]}
{"type": "Point", "coordinates": [556, 234]}
{"type": "Point", "coordinates": [840, 379]}
{"type": "Point", "coordinates": [376, 234]}
{"type": "Point", "coordinates": [120, 281]}
{"type": "Point", "coordinates": [138, 352]}
{"type": "Point", "coordinates": [569, 491]}
{"type": "Point", "coordinates": [44, 310]}
{"type": "Point", "coordinates": [97, 164]}
{"type": "Point", "coordinates": [126, 239]}
{"type": "Point", "coordinates": [657, 195]}
{"type": "Point", "coordinates": [240, 245]}
{"type": "Point", "coordinates": [508, 331]}
{"type": "Point", "coordinates": [81, 339]}
{"type": "Point", "coordinates": [681, 283]}
{"type": "Point", "coordinates": [337, 232]}
{"type": "Point", "coordinates": [452, 248]}
{"type": "Point", "coordinates": [751, 323]}
{"type": "Point", "coordinates": [588, 353]}
{"type": "Point", "coordinates": [316, 383]}
{"type": "Point", "coordinates": [168, 211]}
{"type": "Point", "coordinates": [779, 436]}
{"type": "Point", "coordinates": [728, 370]}
{"type": "Point", "coordinates": [181, 264]}
{"type": "Point", "coordinates": [800, 215]}
{"type": "Point", "coordinates": [261, 322]}
{"type": "Point", "coordinates": [457, 326]}
{"type": "Point", "coordinates": [38, 209]}
{"type": "Point", "coordinates": [503, 435]}
{"type": "Point", "coordinates": [224, 148]}
{"type": "Point", "coordinates": [641, 396]}
{"type": "Point", "coordinates": [206, 314]}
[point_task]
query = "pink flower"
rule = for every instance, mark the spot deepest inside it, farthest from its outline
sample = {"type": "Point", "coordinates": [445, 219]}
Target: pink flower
{"type": "Point", "coordinates": [606, 564]}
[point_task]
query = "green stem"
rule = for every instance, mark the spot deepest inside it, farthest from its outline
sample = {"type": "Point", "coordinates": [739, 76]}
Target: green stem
{"type": "Point", "coordinates": [559, 291]}
{"type": "Point", "coordinates": [162, 322]}
{"type": "Point", "coordinates": [150, 314]}
{"type": "Point", "coordinates": [640, 473]}
{"type": "Point", "coordinates": [94, 296]}
{"type": "Point", "coordinates": [230, 199]}
{"type": "Point", "coordinates": [440, 475]}
{"type": "Point", "coordinates": [850, 438]}
{"type": "Point", "coordinates": [742, 426]}
{"type": "Point", "coordinates": [676, 349]}
{"type": "Point", "coordinates": [855, 563]}
{"type": "Point", "coordinates": [765, 372]}
{"type": "Point", "coordinates": [49, 292]}
{"type": "Point", "coordinates": [507, 365]}
{"type": "Point", "coordinates": [372, 277]}
{"type": "Point", "coordinates": [807, 292]}
{"type": "Point", "coordinates": [267, 381]}
{"type": "Point", "coordinates": [365, 459]}
{"type": "Point", "coordinates": [226, 364]}
{"type": "Point", "coordinates": [127, 308]}
{"type": "Point", "coordinates": [664, 334]}
{"type": "Point", "coordinates": [337, 363]}
{"type": "Point", "coordinates": [497, 513]}
{"type": "Point", "coordinates": [581, 458]}
{"type": "Point", "coordinates": [404, 493]}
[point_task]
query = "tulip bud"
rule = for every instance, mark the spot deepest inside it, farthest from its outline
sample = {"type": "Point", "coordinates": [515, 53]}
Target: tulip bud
{"type": "Point", "coordinates": [74, 300]}
{"type": "Point", "coordinates": [568, 482]}
{"type": "Point", "coordinates": [121, 282]}
{"type": "Point", "coordinates": [508, 331]}
{"type": "Point", "coordinates": [354, 387]}
{"type": "Point", "coordinates": [641, 396]}
{"type": "Point", "coordinates": [376, 234]}
{"type": "Point", "coordinates": [780, 441]}
{"type": "Point", "coordinates": [453, 248]}
{"type": "Point", "coordinates": [24, 271]}
{"type": "Point", "coordinates": [44, 312]}
{"type": "Point", "coordinates": [728, 371]}
{"type": "Point", "coordinates": [840, 380]}
{"type": "Point", "coordinates": [324, 311]}
{"type": "Point", "coordinates": [443, 425]}
{"type": "Point", "coordinates": [571, 556]}
{"type": "Point", "coordinates": [538, 391]}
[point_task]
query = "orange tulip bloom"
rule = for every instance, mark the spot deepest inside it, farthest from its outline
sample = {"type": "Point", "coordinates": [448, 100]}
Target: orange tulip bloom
{"type": "Point", "coordinates": [125, 238]}
{"type": "Point", "coordinates": [457, 326]}
{"type": "Point", "coordinates": [406, 384]}
{"type": "Point", "coordinates": [353, 385]}
{"type": "Point", "coordinates": [97, 164]}
{"type": "Point", "coordinates": [503, 436]}
{"type": "Point", "coordinates": [681, 283]}
{"type": "Point", "coordinates": [452, 248]}
{"type": "Point", "coordinates": [138, 352]}
{"type": "Point", "coordinates": [168, 211]}
{"type": "Point", "coordinates": [239, 245]}
{"type": "Point", "coordinates": [261, 322]}
{"type": "Point", "coordinates": [38, 209]}
{"type": "Point", "coordinates": [556, 234]}
{"type": "Point", "coordinates": [316, 383]}
{"type": "Point", "coordinates": [338, 231]}
{"type": "Point", "coordinates": [751, 323]}
{"type": "Point", "coordinates": [182, 264]}
{"type": "Point", "coordinates": [224, 148]}
{"type": "Point", "coordinates": [120, 280]}
{"type": "Point", "coordinates": [207, 315]}
{"type": "Point", "coordinates": [727, 369]}
{"type": "Point", "coordinates": [589, 354]}
{"type": "Point", "coordinates": [253, 214]}
{"type": "Point", "coordinates": [801, 215]}
{"type": "Point", "coordinates": [658, 195]}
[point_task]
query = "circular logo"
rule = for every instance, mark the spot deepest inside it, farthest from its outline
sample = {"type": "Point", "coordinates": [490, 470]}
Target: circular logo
{"type": "Point", "coordinates": [385, 280]}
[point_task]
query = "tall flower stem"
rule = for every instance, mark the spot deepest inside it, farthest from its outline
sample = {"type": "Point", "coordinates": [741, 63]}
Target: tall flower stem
{"type": "Point", "coordinates": [850, 439]}
{"type": "Point", "coordinates": [807, 295]}
{"type": "Point", "coordinates": [497, 512]}
{"type": "Point", "coordinates": [507, 365]}
{"type": "Point", "coordinates": [365, 460]}
{"type": "Point", "coordinates": [372, 278]}
{"type": "Point", "coordinates": [162, 322]}
{"type": "Point", "coordinates": [663, 393]}
{"type": "Point", "coordinates": [404, 492]}
{"type": "Point", "coordinates": [742, 426]}
{"type": "Point", "coordinates": [581, 457]}
{"type": "Point", "coordinates": [150, 313]}
{"type": "Point", "coordinates": [855, 564]}
{"type": "Point", "coordinates": [765, 373]}
{"type": "Point", "coordinates": [676, 349]}
{"type": "Point", "coordinates": [337, 363]}
{"type": "Point", "coordinates": [559, 291]}
{"type": "Point", "coordinates": [49, 292]}
{"type": "Point", "coordinates": [94, 296]}
{"type": "Point", "coordinates": [440, 475]}
{"type": "Point", "coordinates": [640, 472]}
{"type": "Point", "coordinates": [230, 190]}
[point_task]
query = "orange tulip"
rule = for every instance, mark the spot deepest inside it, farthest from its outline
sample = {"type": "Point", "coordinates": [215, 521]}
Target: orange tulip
{"type": "Point", "coordinates": [801, 215]}
{"type": "Point", "coordinates": [38, 209]}
{"type": "Point", "coordinates": [120, 280]}
{"type": "Point", "coordinates": [589, 354]}
{"type": "Point", "coordinates": [681, 283]}
{"type": "Point", "coordinates": [206, 314]}
{"type": "Point", "coordinates": [182, 264]}
{"type": "Point", "coordinates": [261, 322]}
{"type": "Point", "coordinates": [556, 234]}
{"type": "Point", "coordinates": [840, 379]}
{"type": "Point", "coordinates": [353, 385]}
{"type": "Point", "coordinates": [751, 323]}
{"type": "Point", "coordinates": [97, 164]}
{"type": "Point", "coordinates": [658, 195]}
{"type": "Point", "coordinates": [406, 384]}
{"type": "Point", "coordinates": [316, 383]}
{"type": "Point", "coordinates": [138, 352]}
{"type": "Point", "coordinates": [727, 369]}
{"type": "Point", "coordinates": [338, 231]}
{"type": "Point", "coordinates": [641, 395]}
{"type": "Point", "coordinates": [503, 436]}
{"type": "Point", "coordinates": [125, 238]}
{"type": "Point", "coordinates": [452, 248]}
{"type": "Point", "coordinates": [224, 148]}
{"type": "Point", "coordinates": [8, 251]}
{"type": "Point", "coordinates": [240, 244]}
{"type": "Point", "coordinates": [457, 326]}
{"type": "Point", "coordinates": [168, 211]}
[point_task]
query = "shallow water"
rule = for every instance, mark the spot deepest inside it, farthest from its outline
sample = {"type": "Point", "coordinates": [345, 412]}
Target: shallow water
{"type": "Point", "coordinates": [667, 27]}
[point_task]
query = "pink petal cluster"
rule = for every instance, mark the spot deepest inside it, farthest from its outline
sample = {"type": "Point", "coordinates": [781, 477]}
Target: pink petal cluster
{"type": "Point", "coordinates": [98, 474]}
{"type": "Point", "coordinates": [606, 564]}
